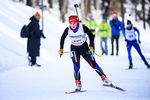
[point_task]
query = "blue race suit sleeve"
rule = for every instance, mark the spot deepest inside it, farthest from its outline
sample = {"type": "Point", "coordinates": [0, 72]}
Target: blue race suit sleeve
{"type": "Point", "coordinates": [137, 32]}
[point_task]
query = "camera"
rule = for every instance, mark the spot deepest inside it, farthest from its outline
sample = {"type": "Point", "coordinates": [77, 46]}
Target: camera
{"type": "Point", "coordinates": [75, 5]}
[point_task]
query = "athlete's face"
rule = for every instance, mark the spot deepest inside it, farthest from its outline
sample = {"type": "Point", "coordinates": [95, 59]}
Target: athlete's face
{"type": "Point", "coordinates": [129, 27]}
{"type": "Point", "coordinates": [73, 25]}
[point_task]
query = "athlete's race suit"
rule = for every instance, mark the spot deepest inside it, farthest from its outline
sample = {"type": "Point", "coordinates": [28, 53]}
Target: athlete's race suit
{"type": "Point", "coordinates": [132, 41]}
{"type": "Point", "coordinates": [79, 47]}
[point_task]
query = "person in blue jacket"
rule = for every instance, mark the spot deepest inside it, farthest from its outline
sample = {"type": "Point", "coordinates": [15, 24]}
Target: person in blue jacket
{"type": "Point", "coordinates": [130, 38]}
{"type": "Point", "coordinates": [116, 27]}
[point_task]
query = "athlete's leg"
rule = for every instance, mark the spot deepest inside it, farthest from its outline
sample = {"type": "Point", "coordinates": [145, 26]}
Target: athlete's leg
{"type": "Point", "coordinates": [137, 47]}
{"type": "Point", "coordinates": [129, 46]}
{"type": "Point", "coordinates": [76, 63]}
{"type": "Point", "coordinates": [91, 60]}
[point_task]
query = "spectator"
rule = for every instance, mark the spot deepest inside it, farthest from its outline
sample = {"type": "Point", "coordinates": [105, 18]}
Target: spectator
{"type": "Point", "coordinates": [33, 43]}
{"type": "Point", "coordinates": [104, 31]}
{"type": "Point", "coordinates": [91, 24]}
{"type": "Point", "coordinates": [116, 27]}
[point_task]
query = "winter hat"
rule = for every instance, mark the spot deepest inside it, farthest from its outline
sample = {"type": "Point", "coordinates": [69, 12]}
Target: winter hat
{"type": "Point", "coordinates": [73, 19]}
{"type": "Point", "coordinates": [115, 15]}
{"type": "Point", "coordinates": [129, 23]}
{"type": "Point", "coordinates": [37, 16]}
{"type": "Point", "coordinates": [104, 18]}
{"type": "Point", "coordinates": [90, 15]}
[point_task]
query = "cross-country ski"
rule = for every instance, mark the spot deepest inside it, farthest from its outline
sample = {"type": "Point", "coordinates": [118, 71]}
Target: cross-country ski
{"type": "Point", "coordinates": [113, 86]}
{"type": "Point", "coordinates": [75, 91]}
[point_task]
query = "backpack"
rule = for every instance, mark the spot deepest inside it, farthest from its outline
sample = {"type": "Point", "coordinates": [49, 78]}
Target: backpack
{"type": "Point", "coordinates": [25, 32]}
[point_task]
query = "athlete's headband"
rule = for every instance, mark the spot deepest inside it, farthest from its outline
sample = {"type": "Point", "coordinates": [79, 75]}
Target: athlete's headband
{"type": "Point", "coordinates": [73, 19]}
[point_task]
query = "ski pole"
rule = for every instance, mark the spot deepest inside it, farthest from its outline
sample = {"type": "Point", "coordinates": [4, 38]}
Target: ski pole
{"type": "Point", "coordinates": [67, 52]}
{"type": "Point", "coordinates": [98, 55]}
{"type": "Point", "coordinates": [94, 53]}
{"type": "Point", "coordinates": [143, 49]}
{"type": "Point", "coordinates": [42, 16]}
{"type": "Point", "coordinates": [76, 5]}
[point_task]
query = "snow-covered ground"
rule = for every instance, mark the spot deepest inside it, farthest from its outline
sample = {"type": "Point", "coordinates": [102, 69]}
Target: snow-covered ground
{"type": "Point", "coordinates": [18, 81]}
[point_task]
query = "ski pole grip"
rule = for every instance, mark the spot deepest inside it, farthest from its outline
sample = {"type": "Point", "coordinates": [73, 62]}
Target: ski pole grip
{"type": "Point", "coordinates": [75, 5]}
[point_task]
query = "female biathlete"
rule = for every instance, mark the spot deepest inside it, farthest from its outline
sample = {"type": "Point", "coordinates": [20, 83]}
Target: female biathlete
{"type": "Point", "coordinates": [77, 34]}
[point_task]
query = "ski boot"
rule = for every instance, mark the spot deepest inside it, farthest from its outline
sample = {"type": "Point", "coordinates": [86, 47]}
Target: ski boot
{"type": "Point", "coordinates": [37, 65]}
{"type": "Point", "coordinates": [78, 85]}
{"type": "Point", "coordinates": [148, 66]}
{"type": "Point", "coordinates": [106, 80]}
{"type": "Point", "coordinates": [131, 65]}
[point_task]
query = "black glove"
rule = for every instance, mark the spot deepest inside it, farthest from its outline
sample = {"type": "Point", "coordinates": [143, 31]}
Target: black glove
{"type": "Point", "coordinates": [139, 41]}
{"type": "Point", "coordinates": [61, 52]}
{"type": "Point", "coordinates": [125, 40]}
{"type": "Point", "coordinates": [42, 35]}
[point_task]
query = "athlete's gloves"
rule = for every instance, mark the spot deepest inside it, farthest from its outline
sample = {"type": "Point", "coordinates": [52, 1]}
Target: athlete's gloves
{"type": "Point", "coordinates": [139, 41]}
{"type": "Point", "coordinates": [125, 40]}
{"type": "Point", "coordinates": [61, 52]}
{"type": "Point", "coordinates": [91, 50]}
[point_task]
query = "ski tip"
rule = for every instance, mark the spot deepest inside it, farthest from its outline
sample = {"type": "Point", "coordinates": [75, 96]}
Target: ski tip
{"type": "Point", "coordinates": [102, 84]}
{"type": "Point", "coordinates": [66, 92]}
{"type": "Point", "coordinates": [124, 90]}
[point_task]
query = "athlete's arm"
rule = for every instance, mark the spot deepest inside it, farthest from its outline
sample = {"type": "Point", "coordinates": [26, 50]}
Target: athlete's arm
{"type": "Point", "coordinates": [137, 32]}
{"type": "Point", "coordinates": [62, 40]}
{"type": "Point", "coordinates": [90, 35]}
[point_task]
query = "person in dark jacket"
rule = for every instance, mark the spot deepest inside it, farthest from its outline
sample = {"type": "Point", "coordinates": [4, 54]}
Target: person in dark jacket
{"type": "Point", "coordinates": [33, 42]}
{"type": "Point", "coordinates": [79, 47]}
{"type": "Point", "coordinates": [116, 27]}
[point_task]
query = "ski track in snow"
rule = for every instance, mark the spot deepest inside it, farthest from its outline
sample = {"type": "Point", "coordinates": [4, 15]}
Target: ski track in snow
{"type": "Point", "coordinates": [50, 82]}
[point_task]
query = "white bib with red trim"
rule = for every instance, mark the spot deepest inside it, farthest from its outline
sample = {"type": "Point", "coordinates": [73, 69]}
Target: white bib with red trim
{"type": "Point", "coordinates": [77, 38]}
